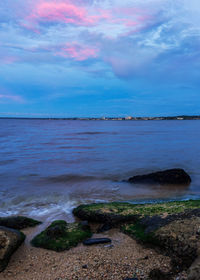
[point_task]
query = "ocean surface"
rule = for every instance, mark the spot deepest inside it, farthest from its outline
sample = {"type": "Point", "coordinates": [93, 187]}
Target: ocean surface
{"type": "Point", "coordinates": [47, 167]}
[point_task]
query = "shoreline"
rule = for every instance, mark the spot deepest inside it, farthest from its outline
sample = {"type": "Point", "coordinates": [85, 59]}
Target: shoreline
{"type": "Point", "coordinates": [131, 253]}
{"type": "Point", "coordinates": [130, 118]}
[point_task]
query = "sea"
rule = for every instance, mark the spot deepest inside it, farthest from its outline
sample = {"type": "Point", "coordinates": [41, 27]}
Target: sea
{"type": "Point", "coordinates": [48, 167]}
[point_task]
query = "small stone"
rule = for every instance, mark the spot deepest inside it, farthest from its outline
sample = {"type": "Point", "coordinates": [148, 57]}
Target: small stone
{"type": "Point", "coordinates": [131, 279]}
{"type": "Point", "coordinates": [84, 266]}
{"type": "Point", "coordinates": [110, 246]}
{"type": "Point", "coordinates": [93, 241]}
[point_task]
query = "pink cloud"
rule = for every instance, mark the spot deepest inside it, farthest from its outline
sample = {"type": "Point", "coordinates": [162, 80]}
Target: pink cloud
{"type": "Point", "coordinates": [65, 11]}
{"type": "Point", "coordinates": [78, 52]}
{"type": "Point", "coordinates": [68, 11]}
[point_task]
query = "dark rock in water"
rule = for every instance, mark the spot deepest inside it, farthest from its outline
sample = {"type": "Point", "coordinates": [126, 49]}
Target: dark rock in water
{"type": "Point", "coordinates": [10, 240]}
{"type": "Point", "coordinates": [94, 241]}
{"type": "Point", "coordinates": [18, 222]}
{"type": "Point", "coordinates": [104, 227]}
{"type": "Point", "coordinates": [170, 176]}
{"type": "Point", "coordinates": [60, 236]}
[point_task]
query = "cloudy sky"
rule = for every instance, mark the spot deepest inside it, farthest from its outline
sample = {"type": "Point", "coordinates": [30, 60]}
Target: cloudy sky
{"type": "Point", "coordinates": [99, 57]}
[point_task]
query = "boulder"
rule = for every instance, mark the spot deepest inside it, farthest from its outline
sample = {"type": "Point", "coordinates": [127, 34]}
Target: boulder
{"type": "Point", "coordinates": [175, 234]}
{"type": "Point", "coordinates": [166, 177]}
{"type": "Point", "coordinates": [94, 241]}
{"type": "Point", "coordinates": [18, 222]}
{"type": "Point", "coordinates": [60, 236]}
{"type": "Point", "coordinates": [111, 214]}
{"type": "Point", "coordinates": [106, 213]}
{"type": "Point", "coordinates": [10, 240]}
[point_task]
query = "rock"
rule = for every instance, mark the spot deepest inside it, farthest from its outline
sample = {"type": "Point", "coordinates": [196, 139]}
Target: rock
{"type": "Point", "coordinates": [55, 231]}
{"type": "Point", "coordinates": [84, 266]}
{"type": "Point", "coordinates": [104, 227]}
{"type": "Point", "coordinates": [60, 236]}
{"type": "Point", "coordinates": [130, 278]}
{"type": "Point", "coordinates": [93, 241]}
{"type": "Point", "coordinates": [84, 225]}
{"type": "Point", "coordinates": [109, 246]}
{"type": "Point", "coordinates": [194, 270]}
{"type": "Point", "coordinates": [157, 274]}
{"type": "Point", "coordinates": [170, 176]}
{"type": "Point", "coordinates": [179, 239]}
{"type": "Point", "coordinates": [18, 222]}
{"type": "Point", "coordinates": [106, 213]}
{"type": "Point", "coordinates": [111, 214]}
{"type": "Point", "coordinates": [10, 240]}
{"type": "Point", "coordinates": [174, 234]}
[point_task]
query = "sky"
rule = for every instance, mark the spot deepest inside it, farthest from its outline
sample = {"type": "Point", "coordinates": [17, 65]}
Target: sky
{"type": "Point", "coordinates": [95, 58]}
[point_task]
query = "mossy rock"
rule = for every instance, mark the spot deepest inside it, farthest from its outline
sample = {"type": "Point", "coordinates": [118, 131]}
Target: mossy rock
{"type": "Point", "coordinates": [117, 212]}
{"type": "Point", "coordinates": [176, 234]}
{"type": "Point", "coordinates": [18, 222]}
{"type": "Point", "coordinates": [60, 236]}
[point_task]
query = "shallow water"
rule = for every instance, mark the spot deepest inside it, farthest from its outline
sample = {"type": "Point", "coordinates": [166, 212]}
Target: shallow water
{"type": "Point", "coordinates": [47, 167]}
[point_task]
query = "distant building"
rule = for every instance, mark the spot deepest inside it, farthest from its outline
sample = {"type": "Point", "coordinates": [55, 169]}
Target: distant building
{"type": "Point", "coordinates": [128, 118]}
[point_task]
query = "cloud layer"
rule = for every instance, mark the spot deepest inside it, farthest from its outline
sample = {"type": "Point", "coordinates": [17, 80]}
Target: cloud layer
{"type": "Point", "coordinates": [135, 44]}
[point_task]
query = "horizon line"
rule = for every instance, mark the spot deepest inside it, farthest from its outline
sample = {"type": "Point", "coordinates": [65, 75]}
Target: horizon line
{"type": "Point", "coordinates": [103, 118]}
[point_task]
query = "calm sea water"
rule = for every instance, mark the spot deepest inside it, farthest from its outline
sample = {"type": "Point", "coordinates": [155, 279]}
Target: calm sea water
{"type": "Point", "coordinates": [47, 167]}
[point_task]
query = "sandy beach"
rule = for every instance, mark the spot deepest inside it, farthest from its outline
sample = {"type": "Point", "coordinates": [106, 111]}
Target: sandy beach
{"type": "Point", "coordinates": [124, 258]}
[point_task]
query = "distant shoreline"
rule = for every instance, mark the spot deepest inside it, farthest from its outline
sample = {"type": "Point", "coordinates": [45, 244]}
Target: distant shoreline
{"type": "Point", "coordinates": [109, 118]}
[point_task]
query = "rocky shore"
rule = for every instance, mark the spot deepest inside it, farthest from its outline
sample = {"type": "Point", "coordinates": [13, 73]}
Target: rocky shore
{"type": "Point", "coordinates": [132, 241]}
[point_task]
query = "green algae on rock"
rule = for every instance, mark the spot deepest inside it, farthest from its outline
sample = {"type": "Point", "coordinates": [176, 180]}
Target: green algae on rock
{"type": "Point", "coordinates": [117, 212]}
{"type": "Point", "coordinates": [18, 222]}
{"type": "Point", "coordinates": [60, 236]}
{"type": "Point", "coordinates": [137, 231]}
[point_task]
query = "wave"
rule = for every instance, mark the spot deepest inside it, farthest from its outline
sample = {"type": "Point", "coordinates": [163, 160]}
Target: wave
{"type": "Point", "coordinates": [8, 161]}
{"type": "Point", "coordinates": [93, 133]}
{"type": "Point", "coordinates": [38, 206]}
{"type": "Point", "coordinates": [72, 178]}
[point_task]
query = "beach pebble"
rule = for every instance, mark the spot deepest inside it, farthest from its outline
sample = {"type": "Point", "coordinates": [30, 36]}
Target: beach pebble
{"type": "Point", "coordinates": [131, 279]}
{"type": "Point", "coordinates": [93, 241]}
{"type": "Point", "coordinates": [85, 266]}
